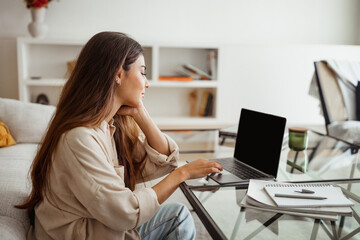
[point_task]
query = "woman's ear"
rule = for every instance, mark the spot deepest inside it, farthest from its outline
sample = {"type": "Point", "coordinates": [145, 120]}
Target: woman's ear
{"type": "Point", "coordinates": [119, 76]}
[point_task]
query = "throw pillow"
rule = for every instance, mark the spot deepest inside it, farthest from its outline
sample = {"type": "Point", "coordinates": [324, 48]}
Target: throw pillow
{"type": "Point", "coordinates": [5, 137]}
{"type": "Point", "coordinates": [27, 121]}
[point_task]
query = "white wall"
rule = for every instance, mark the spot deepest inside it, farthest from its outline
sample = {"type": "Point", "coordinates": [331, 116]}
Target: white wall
{"type": "Point", "coordinates": [276, 79]}
{"type": "Point", "coordinates": [235, 23]}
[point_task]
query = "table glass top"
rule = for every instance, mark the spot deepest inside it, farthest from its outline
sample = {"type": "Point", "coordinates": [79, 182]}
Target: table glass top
{"type": "Point", "coordinates": [325, 159]}
{"type": "Point", "coordinates": [235, 222]}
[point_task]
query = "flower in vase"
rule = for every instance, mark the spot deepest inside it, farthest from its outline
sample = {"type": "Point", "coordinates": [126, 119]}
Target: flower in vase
{"type": "Point", "coordinates": [37, 3]}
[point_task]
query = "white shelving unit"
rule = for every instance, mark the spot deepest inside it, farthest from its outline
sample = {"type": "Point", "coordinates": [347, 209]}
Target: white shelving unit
{"type": "Point", "coordinates": [42, 68]}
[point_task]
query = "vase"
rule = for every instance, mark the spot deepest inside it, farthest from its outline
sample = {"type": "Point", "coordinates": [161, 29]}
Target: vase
{"type": "Point", "coordinates": [38, 28]}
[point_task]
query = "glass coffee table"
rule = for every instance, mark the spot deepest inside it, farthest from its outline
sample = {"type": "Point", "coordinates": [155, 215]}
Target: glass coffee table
{"type": "Point", "coordinates": [325, 160]}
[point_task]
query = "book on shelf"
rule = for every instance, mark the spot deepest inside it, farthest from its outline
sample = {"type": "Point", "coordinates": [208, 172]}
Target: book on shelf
{"type": "Point", "coordinates": [257, 197]}
{"type": "Point", "coordinates": [176, 78]}
{"type": "Point", "coordinates": [197, 72]}
{"type": "Point", "coordinates": [206, 104]}
{"type": "Point", "coordinates": [209, 105]}
{"type": "Point", "coordinates": [212, 60]}
{"type": "Point", "coordinates": [183, 72]}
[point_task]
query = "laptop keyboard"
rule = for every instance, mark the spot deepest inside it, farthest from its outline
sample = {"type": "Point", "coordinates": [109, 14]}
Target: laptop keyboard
{"type": "Point", "coordinates": [239, 170]}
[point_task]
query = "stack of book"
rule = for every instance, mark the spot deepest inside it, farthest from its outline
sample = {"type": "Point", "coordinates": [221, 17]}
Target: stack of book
{"type": "Point", "coordinates": [320, 201]}
{"type": "Point", "coordinates": [176, 78]}
{"type": "Point", "coordinates": [206, 104]}
{"type": "Point", "coordinates": [203, 107]}
{"type": "Point", "coordinates": [194, 72]}
{"type": "Point", "coordinates": [189, 72]}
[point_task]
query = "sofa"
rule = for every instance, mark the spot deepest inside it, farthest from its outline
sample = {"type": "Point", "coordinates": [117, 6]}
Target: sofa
{"type": "Point", "coordinates": [27, 122]}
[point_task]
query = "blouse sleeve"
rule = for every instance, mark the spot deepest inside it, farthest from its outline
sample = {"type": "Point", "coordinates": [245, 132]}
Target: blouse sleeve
{"type": "Point", "coordinates": [156, 164]}
{"type": "Point", "coordinates": [100, 190]}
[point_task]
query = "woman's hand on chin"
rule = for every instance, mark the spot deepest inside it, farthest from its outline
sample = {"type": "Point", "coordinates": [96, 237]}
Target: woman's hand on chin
{"type": "Point", "coordinates": [132, 111]}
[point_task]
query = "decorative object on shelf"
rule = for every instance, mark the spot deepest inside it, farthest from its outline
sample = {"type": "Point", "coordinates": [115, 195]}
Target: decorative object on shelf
{"type": "Point", "coordinates": [70, 68]}
{"type": "Point", "coordinates": [42, 99]}
{"type": "Point", "coordinates": [193, 98]}
{"type": "Point", "coordinates": [37, 28]}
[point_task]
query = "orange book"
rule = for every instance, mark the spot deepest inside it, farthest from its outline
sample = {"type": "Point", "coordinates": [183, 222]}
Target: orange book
{"type": "Point", "coordinates": [175, 78]}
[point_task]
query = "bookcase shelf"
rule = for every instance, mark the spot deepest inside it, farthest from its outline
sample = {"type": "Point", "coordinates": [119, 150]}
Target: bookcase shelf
{"type": "Point", "coordinates": [42, 69]}
{"type": "Point", "coordinates": [192, 84]}
{"type": "Point", "coordinates": [185, 123]}
{"type": "Point", "coordinates": [56, 82]}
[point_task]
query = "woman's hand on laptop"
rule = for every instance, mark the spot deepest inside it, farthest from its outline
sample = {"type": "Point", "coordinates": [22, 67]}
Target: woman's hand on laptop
{"type": "Point", "coordinates": [195, 169]}
{"type": "Point", "coordinates": [199, 168]}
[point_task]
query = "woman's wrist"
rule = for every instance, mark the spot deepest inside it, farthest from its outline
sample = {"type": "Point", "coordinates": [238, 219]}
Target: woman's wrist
{"type": "Point", "coordinates": [140, 115]}
{"type": "Point", "coordinates": [180, 174]}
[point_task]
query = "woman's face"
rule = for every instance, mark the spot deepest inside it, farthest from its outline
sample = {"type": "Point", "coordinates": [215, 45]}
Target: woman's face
{"type": "Point", "coordinates": [133, 83]}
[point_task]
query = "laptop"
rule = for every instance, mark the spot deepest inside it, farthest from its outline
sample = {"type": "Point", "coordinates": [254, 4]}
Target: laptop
{"type": "Point", "coordinates": [257, 149]}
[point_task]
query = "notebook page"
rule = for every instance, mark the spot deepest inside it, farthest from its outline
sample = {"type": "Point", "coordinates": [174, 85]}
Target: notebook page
{"type": "Point", "coordinates": [334, 195]}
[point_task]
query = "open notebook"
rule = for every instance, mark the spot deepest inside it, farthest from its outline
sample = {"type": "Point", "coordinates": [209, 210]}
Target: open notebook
{"type": "Point", "coordinates": [333, 196]}
{"type": "Point", "coordinates": [258, 198]}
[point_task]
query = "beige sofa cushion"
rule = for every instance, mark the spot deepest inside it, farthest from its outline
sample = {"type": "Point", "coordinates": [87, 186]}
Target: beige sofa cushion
{"type": "Point", "coordinates": [11, 229]}
{"type": "Point", "coordinates": [15, 183]}
{"type": "Point", "coordinates": [27, 122]}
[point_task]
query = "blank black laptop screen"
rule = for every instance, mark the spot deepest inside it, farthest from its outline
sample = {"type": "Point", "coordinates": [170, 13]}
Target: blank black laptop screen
{"type": "Point", "coordinates": [259, 140]}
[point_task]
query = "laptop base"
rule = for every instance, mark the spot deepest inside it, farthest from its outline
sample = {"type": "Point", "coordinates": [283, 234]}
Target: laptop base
{"type": "Point", "coordinates": [226, 178]}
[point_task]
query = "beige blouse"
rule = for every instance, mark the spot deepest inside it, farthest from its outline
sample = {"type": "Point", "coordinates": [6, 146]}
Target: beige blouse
{"type": "Point", "coordinates": [88, 197]}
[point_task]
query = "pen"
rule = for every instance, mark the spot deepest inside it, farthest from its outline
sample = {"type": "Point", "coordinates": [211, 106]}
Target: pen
{"type": "Point", "coordinates": [298, 196]}
{"type": "Point", "coordinates": [305, 191]}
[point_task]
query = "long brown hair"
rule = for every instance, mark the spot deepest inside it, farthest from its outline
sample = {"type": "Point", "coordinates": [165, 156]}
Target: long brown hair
{"type": "Point", "coordinates": [86, 100]}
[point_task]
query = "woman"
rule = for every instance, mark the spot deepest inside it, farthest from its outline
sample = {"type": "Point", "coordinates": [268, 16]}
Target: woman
{"type": "Point", "coordinates": [99, 144]}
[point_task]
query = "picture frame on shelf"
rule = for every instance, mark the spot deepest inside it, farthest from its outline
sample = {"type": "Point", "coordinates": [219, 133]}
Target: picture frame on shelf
{"type": "Point", "coordinates": [42, 99]}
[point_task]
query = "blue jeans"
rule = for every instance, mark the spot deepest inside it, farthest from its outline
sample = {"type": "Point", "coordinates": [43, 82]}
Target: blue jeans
{"type": "Point", "coordinates": [172, 221]}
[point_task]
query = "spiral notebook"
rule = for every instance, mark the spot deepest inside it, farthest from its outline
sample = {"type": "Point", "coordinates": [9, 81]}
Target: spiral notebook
{"type": "Point", "coordinates": [258, 197]}
{"type": "Point", "coordinates": [333, 196]}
